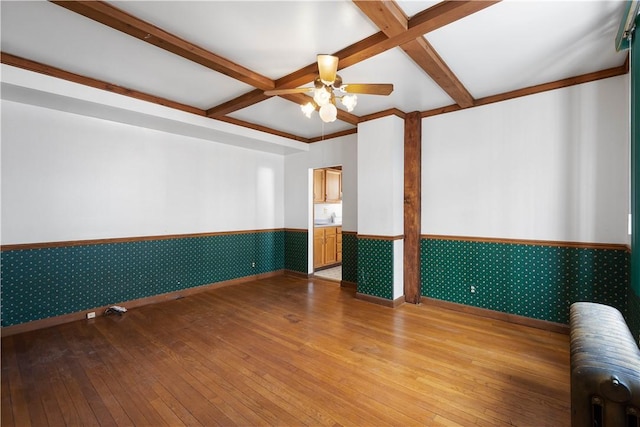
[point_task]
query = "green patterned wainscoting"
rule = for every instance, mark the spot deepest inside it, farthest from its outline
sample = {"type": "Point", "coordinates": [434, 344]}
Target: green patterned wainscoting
{"type": "Point", "coordinates": [51, 280]}
{"type": "Point", "coordinates": [296, 247]}
{"type": "Point", "coordinates": [349, 257]}
{"type": "Point", "coordinates": [532, 280]}
{"type": "Point", "coordinates": [375, 267]}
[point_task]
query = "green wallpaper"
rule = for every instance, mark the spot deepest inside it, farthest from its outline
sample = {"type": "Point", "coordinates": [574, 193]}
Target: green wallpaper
{"type": "Point", "coordinates": [350, 257]}
{"type": "Point", "coordinates": [529, 280]}
{"type": "Point", "coordinates": [42, 283]}
{"type": "Point", "coordinates": [296, 250]}
{"type": "Point", "coordinates": [375, 267]}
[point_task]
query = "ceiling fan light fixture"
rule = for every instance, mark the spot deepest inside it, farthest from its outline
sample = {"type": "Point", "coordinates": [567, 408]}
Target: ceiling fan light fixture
{"type": "Point", "coordinates": [350, 101]}
{"type": "Point", "coordinates": [322, 96]}
{"type": "Point", "coordinates": [307, 109]}
{"type": "Point", "coordinates": [328, 66]}
{"type": "Point", "coordinates": [328, 113]}
{"type": "Point", "coordinates": [328, 86]}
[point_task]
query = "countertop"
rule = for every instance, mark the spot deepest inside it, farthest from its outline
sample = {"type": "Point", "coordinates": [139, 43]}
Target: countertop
{"type": "Point", "coordinates": [331, 224]}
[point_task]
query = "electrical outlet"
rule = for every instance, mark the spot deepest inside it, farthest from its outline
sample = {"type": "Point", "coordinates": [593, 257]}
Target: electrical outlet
{"type": "Point", "coordinates": [253, 264]}
{"type": "Point", "coordinates": [473, 289]}
{"type": "Point", "coordinates": [91, 315]}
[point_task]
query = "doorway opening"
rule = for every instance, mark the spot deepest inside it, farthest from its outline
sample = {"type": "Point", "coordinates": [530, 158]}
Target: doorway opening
{"type": "Point", "coordinates": [327, 223]}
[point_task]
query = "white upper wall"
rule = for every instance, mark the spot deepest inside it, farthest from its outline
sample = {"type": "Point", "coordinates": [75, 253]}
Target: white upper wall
{"type": "Point", "coordinates": [70, 177]}
{"type": "Point", "coordinates": [33, 88]}
{"type": "Point", "coordinates": [551, 166]}
{"type": "Point", "coordinates": [381, 177]}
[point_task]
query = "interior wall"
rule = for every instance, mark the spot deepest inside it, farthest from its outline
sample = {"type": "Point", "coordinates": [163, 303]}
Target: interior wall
{"type": "Point", "coordinates": [70, 177]}
{"type": "Point", "coordinates": [548, 167]}
{"type": "Point", "coordinates": [381, 177]}
{"type": "Point", "coordinates": [333, 152]}
{"type": "Point", "coordinates": [551, 166]}
{"type": "Point", "coordinates": [187, 212]}
{"type": "Point", "coordinates": [380, 207]}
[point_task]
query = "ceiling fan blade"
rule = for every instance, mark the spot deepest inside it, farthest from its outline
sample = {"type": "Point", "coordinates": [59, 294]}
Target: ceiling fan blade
{"type": "Point", "coordinates": [369, 88]}
{"type": "Point", "coordinates": [287, 91]}
{"type": "Point", "coordinates": [328, 67]}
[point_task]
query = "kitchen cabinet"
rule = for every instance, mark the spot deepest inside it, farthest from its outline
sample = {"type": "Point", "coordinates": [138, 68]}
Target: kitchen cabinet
{"type": "Point", "coordinates": [330, 246]}
{"type": "Point", "coordinates": [318, 247]}
{"type": "Point", "coordinates": [327, 246]}
{"type": "Point", "coordinates": [327, 186]}
{"type": "Point", "coordinates": [333, 187]}
{"type": "Point", "coordinates": [319, 185]}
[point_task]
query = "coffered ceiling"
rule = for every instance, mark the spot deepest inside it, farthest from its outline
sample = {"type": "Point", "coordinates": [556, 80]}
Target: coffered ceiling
{"type": "Point", "coordinates": [215, 58]}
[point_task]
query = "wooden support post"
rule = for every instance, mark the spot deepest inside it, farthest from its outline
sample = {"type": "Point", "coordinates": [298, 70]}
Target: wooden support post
{"type": "Point", "coordinates": [412, 205]}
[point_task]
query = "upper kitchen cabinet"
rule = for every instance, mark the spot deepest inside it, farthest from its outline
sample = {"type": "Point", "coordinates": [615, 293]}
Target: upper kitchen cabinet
{"type": "Point", "coordinates": [327, 186]}
{"type": "Point", "coordinates": [318, 186]}
{"type": "Point", "coordinates": [333, 183]}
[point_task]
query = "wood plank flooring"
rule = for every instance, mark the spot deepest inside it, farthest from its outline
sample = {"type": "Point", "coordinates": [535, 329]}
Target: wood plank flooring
{"type": "Point", "coordinates": [286, 351]}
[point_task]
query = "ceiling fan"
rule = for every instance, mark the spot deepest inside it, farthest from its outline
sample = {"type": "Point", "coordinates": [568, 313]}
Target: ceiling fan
{"type": "Point", "coordinates": [328, 87]}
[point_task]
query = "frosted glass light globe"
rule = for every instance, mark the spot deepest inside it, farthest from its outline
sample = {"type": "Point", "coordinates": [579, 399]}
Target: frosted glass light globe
{"type": "Point", "coordinates": [322, 96]}
{"type": "Point", "coordinates": [328, 113]}
{"type": "Point", "coordinates": [307, 109]}
{"type": "Point", "coordinates": [350, 101]}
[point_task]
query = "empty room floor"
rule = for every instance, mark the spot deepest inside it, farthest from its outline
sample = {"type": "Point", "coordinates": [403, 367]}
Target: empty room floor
{"type": "Point", "coordinates": [286, 351]}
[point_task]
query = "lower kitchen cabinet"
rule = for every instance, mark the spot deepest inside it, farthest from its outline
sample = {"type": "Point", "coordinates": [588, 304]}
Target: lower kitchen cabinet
{"type": "Point", "coordinates": [327, 246]}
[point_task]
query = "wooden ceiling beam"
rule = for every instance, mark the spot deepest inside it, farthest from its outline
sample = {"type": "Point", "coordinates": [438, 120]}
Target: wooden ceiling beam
{"type": "Point", "coordinates": [426, 57]}
{"type": "Point", "coordinates": [37, 67]}
{"type": "Point", "coordinates": [242, 101]}
{"type": "Point", "coordinates": [333, 135]}
{"type": "Point", "coordinates": [298, 78]}
{"type": "Point", "coordinates": [390, 18]}
{"type": "Point", "coordinates": [261, 128]}
{"type": "Point", "coordinates": [401, 31]}
{"type": "Point", "coordinates": [389, 112]}
{"type": "Point", "coordinates": [119, 20]}
{"type": "Point", "coordinates": [386, 15]}
{"type": "Point", "coordinates": [398, 31]}
{"type": "Point", "coordinates": [532, 90]}
{"type": "Point", "coordinates": [431, 19]}
{"type": "Point", "coordinates": [308, 73]}
{"type": "Point", "coordinates": [428, 20]}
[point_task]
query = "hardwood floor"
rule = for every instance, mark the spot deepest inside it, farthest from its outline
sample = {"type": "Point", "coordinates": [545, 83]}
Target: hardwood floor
{"type": "Point", "coordinates": [286, 351]}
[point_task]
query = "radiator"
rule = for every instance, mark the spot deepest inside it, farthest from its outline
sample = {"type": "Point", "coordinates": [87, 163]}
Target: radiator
{"type": "Point", "coordinates": [605, 368]}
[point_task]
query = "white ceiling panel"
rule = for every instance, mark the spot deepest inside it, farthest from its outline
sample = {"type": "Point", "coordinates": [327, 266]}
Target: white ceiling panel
{"type": "Point", "coordinates": [510, 45]}
{"type": "Point", "coordinates": [413, 89]}
{"type": "Point", "coordinates": [516, 44]}
{"type": "Point", "coordinates": [46, 33]}
{"type": "Point", "coordinates": [272, 38]}
{"type": "Point", "coordinates": [412, 7]}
